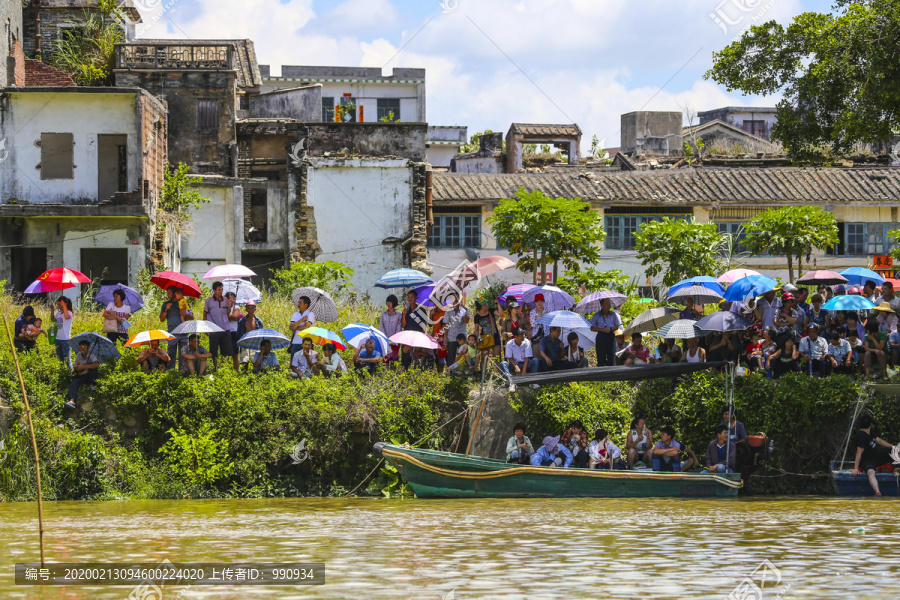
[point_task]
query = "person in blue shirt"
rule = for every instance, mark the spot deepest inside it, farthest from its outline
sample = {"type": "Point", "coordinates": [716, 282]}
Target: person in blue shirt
{"type": "Point", "coordinates": [551, 354]}
{"type": "Point", "coordinates": [667, 452]}
{"type": "Point", "coordinates": [368, 357]}
{"type": "Point", "coordinates": [551, 454]}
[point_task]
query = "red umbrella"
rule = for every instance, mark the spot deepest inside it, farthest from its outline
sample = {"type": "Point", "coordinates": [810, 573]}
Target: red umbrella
{"type": "Point", "coordinates": [165, 279]}
{"type": "Point", "coordinates": [822, 278]}
{"type": "Point", "coordinates": [57, 279]}
{"type": "Point", "coordinates": [463, 276]}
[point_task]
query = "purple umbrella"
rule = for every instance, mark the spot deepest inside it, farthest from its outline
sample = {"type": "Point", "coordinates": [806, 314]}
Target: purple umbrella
{"type": "Point", "coordinates": [423, 294]}
{"type": "Point", "coordinates": [591, 302]}
{"type": "Point", "coordinates": [516, 291]}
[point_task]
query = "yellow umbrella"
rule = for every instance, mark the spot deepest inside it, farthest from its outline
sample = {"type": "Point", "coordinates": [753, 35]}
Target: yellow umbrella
{"type": "Point", "coordinates": [145, 337]}
{"type": "Point", "coordinates": [321, 336]}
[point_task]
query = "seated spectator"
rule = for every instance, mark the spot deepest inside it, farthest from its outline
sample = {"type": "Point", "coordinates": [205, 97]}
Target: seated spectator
{"type": "Point", "coordinates": [813, 349]}
{"type": "Point", "coordinates": [667, 452]}
{"type": "Point", "coordinates": [894, 345]}
{"type": "Point", "coordinates": [638, 443]}
{"type": "Point", "coordinates": [551, 454]}
{"type": "Point", "coordinates": [194, 356]}
{"type": "Point", "coordinates": [839, 355]}
{"type": "Point", "coordinates": [719, 457]}
{"type": "Point", "coordinates": [466, 352]}
{"type": "Point", "coordinates": [786, 359]}
{"type": "Point", "coordinates": [331, 363]}
{"type": "Point", "coordinates": [853, 324]}
{"type": "Point", "coordinates": [574, 354]}
{"type": "Point", "coordinates": [637, 353]}
{"type": "Point", "coordinates": [304, 362]}
{"type": "Point", "coordinates": [725, 347]}
{"type": "Point", "coordinates": [265, 359]}
{"type": "Point", "coordinates": [817, 315]}
{"type": "Point", "coordinates": [518, 354]}
{"type": "Point", "coordinates": [603, 453]}
{"type": "Point", "coordinates": [886, 318]}
{"type": "Point", "coordinates": [86, 368]}
{"type": "Point", "coordinates": [153, 358]}
{"type": "Point", "coordinates": [576, 439]}
{"type": "Point", "coordinates": [621, 345]}
{"type": "Point", "coordinates": [876, 351]}
{"type": "Point", "coordinates": [367, 357]}
{"type": "Point", "coordinates": [693, 353]}
{"type": "Point", "coordinates": [551, 354]}
{"type": "Point", "coordinates": [753, 353]}
{"type": "Point", "coordinates": [868, 455]}
{"type": "Point", "coordinates": [519, 449]}
{"type": "Point", "coordinates": [667, 351]}
{"type": "Point", "coordinates": [423, 358]}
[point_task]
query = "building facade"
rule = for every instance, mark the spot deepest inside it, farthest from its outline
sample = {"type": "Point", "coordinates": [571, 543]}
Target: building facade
{"type": "Point", "coordinates": [755, 120]}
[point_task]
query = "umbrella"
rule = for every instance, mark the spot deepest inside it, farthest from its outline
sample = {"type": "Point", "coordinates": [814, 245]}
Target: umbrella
{"type": "Point", "coordinates": [197, 326]}
{"type": "Point", "coordinates": [587, 339]}
{"type": "Point", "coordinates": [750, 287]}
{"type": "Point", "coordinates": [166, 279]}
{"type": "Point", "coordinates": [423, 294]}
{"type": "Point", "coordinates": [860, 275]}
{"type": "Point", "coordinates": [321, 336]}
{"type": "Point", "coordinates": [735, 274]}
{"type": "Point", "coordinates": [704, 280]}
{"type": "Point", "coordinates": [822, 278]}
{"type": "Point", "coordinates": [848, 303]}
{"type": "Point", "coordinates": [724, 320]}
{"type": "Point", "coordinates": [228, 272]}
{"type": "Point", "coordinates": [403, 278]}
{"type": "Point", "coordinates": [515, 291]}
{"type": "Point", "coordinates": [681, 329]}
{"type": "Point", "coordinates": [132, 298]}
{"type": "Point", "coordinates": [320, 303]}
{"type": "Point", "coordinates": [102, 347]}
{"type": "Point", "coordinates": [652, 319]}
{"type": "Point", "coordinates": [698, 293]}
{"type": "Point", "coordinates": [255, 338]}
{"type": "Point", "coordinates": [893, 282]}
{"type": "Point", "coordinates": [554, 298]}
{"type": "Point", "coordinates": [244, 291]}
{"type": "Point", "coordinates": [416, 339]}
{"type": "Point", "coordinates": [145, 337]}
{"type": "Point", "coordinates": [56, 280]}
{"type": "Point", "coordinates": [591, 302]}
{"type": "Point", "coordinates": [358, 333]}
{"type": "Point", "coordinates": [565, 319]}
{"type": "Point", "coordinates": [474, 271]}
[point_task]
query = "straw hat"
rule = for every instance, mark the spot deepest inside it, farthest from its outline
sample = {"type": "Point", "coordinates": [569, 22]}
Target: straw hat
{"type": "Point", "coordinates": [619, 332]}
{"type": "Point", "coordinates": [885, 307]}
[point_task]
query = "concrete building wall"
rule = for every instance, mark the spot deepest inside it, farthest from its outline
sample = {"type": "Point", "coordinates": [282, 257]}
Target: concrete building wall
{"type": "Point", "coordinates": [440, 156]}
{"type": "Point", "coordinates": [303, 104]}
{"type": "Point", "coordinates": [404, 140]}
{"type": "Point", "coordinates": [737, 115]}
{"type": "Point", "coordinates": [478, 164]}
{"type": "Point", "coordinates": [10, 39]}
{"type": "Point", "coordinates": [212, 239]}
{"type": "Point", "coordinates": [650, 132]}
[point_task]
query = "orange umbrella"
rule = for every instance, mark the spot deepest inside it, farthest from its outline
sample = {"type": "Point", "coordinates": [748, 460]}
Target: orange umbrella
{"type": "Point", "coordinates": [145, 337]}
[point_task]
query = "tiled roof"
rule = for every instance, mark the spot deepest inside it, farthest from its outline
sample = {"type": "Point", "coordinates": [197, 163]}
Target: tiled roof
{"type": "Point", "coordinates": [692, 186]}
{"type": "Point", "coordinates": [545, 130]}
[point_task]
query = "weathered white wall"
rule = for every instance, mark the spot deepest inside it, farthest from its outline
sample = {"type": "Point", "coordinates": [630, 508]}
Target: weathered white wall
{"type": "Point", "coordinates": [85, 115]}
{"type": "Point", "coordinates": [211, 241]}
{"type": "Point", "coordinates": [366, 95]}
{"type": "Point", "coordinates": [358, 203]}
{"type": "Point", "coordinates": [440, 156]}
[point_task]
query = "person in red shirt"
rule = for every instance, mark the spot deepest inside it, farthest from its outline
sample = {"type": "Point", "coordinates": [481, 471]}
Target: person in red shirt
{"type": "Point", "coordinates": [636, 353]}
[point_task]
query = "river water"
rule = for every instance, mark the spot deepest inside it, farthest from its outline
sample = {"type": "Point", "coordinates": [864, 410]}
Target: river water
{"type": "Point", "coordinates": [443, 549]}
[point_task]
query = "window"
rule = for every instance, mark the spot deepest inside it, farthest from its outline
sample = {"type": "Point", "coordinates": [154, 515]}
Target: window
{"type": "Point", "coordinates": [386, 106]}
{"type": "Point", "coordinates": [207, 113]}
{"type": "Point", "coordinates": [736, 229]}
{"type": "Point", "coordinates": [866, 239]}
{"type": "Point", "coordinates": [349, 105]}
{"type": "Point", "coordinates": [755, 127]}
{"type": "Point", "coordinates": [455, 231]}
{"type": "Point", "coordinates": [620, 229]}
{"type": "Point", "coordinates": [57, 156]}
{"type": "Point", "coordinates": [328, 109]}
{"type": "Point", "coordinates": [258, 216]}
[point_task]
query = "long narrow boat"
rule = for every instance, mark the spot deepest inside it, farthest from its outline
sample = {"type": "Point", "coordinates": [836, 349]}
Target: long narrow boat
{"type": "Point", "coordinates": [847, 484]}
{"type": "Point", "coordinates": [433, 474]}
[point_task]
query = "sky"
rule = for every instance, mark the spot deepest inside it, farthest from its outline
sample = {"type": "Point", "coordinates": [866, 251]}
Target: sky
{"type": "Point", "coordinates": [493, 62]}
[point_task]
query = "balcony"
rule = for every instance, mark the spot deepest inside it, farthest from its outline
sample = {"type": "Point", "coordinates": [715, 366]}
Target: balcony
{"type": "Point", "coordinates": [175, 56]}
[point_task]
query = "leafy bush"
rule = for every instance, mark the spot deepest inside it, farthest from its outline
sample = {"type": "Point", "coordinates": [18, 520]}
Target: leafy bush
{"type": "Point", "coordinates": [551, 409]}
{"type": "Point", "coordinates": [198, 459]}
{"type": "Point", "coordinates": [333, 277]}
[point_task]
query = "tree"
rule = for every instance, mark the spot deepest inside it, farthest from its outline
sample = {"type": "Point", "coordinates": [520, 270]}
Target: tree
{"type": "Point", "coordinates": [894, 236]}
{"type": "Point", "coordinates": [585, 281]}
{"type": "Point", "coordinates": [682, 248]}
{"type": "Point", "coordinates": [837, 73]}
{"type": "Point", "coordinates": [177, 194]}
{"type": "Point", "coordinates": [560, 229]}
{"type": "Point", "coordinates": [793, 231]}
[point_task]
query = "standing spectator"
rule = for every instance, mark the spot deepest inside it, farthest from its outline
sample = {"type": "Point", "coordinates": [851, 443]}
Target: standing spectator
{"type": "Point", "coordinates": [840, 356]}
{"type": "Point", "coordinates": [802, 294]}
{"type": "Point", "coordinates": [234, 315]}
{"type": "Point", "coordinates": [817, 315]}
{"type": "Point", "coordinates": [390, 323]}
{"type": "Point", "coordinates": [265, 359]}
{"type": "Point", "coordinates": [64, 316]}
{"type": "Point", "coordinates": [86, 369]}
{"type": "Point", "coordinates": [438, 332]}
{"type": "Point", "coordinates": [174, 314]}
{"type": "Point", "coordinates": [814, 348]}
{"type": "Point", "coordinates": [605, 322]}
{"type": "Point", "coordinates": [536, 313]}
{"type": "Point", "coordinates": [217, 310]}
{"type": "Point", "coordinates": [518, 355]}
{"type": "Point", "coordinates": [788, 318]}
{"type": "Point", "coordinates": [456, 320]}
{"type": "Point", "coordinates": [194, 356]}
{"type": "Point", "coordinates": [690, 312]}
{"type": "Point", "coordinates": [510, 320]}
{"type": "Point", "coordinates": [247, 323]}
{"type": "Point", "coordinates": [411, 321]}
{"type": "Point", "coordinates": [825, 292]}
{"type": "Point", "coordinates": [737, 433]}
{"type": "Point", "coordinates": [894, 345]}
{"type": "Point", "coordinates": [486, 330]}
{"type": "Point", "coordinates": [519, 448]}
{"type": "Point", "coordinates": [876, 351]}
{"type": "Point", "coordinates": [153, 358]}
{"type": "Point", "coordinates": [720, 458]}
{"type": "Point", "coordinates": [304, 318]}
{"type": "Point", "coordinates": [303, 363]}
{"type": "Point", "coordinates": [367, 357]}
{"type": "Point", "coordinates": [576, 439]}
{"type": "Point", "coordinates": [766, 307]}
{"type": "Point", "coordinates": [871, 292]}
{"type": "Point", "coordinates": [117, 312]}
{"type": "Point", "coordinates": [23, 341]}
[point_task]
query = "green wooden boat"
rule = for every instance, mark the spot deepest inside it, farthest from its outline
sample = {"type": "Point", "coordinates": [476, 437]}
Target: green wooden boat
{"type": "Point", "coordinates": [433, 474]}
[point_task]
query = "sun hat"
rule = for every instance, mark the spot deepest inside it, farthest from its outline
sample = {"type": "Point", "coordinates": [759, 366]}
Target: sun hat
{"type": "Point", "coordinates": [550, 442]}
{"type": "Point", "coordinates": [538, 297]}
{"type": "Point", "coordinates": [885, 307]}
{"type": "Point", "coordinates": [619, 332]}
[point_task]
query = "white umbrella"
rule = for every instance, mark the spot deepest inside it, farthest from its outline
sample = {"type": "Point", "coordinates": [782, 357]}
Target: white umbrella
{"type": "Point", "coordinates": [244, 291]}
{"type": "Point", "coordinates": [198, 326]}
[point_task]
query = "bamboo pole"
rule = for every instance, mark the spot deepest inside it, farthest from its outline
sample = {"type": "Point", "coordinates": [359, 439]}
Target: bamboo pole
{"type": "Point", "coordinates": [37, 462]}
{"type": "Point", "coordinates": [484, 363]}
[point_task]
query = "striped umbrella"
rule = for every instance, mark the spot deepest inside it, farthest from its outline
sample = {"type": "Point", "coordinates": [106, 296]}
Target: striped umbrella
{"type": "Point", "coordinates": [321, 336]}
{"type": "Point", "coordinates": [357, 334]}
{"type": "Point", "coordinates": [199, 326]}
{"type": "Point", "coordinates": [591, 302]}
{"type": "Point", "coordinates": [565, 319]}
{"type": "Point", "coordinates": [145, 337]}
{"type": "Point", "coordinates": [652, 319]}
{"type": "Point", "coordinates": [681, 329]}
{"type": "Point", "coordinates": [403, 278]}
{"type": "Point", "coordinates": [516, 291]}
{"type": "Point", "coordinates": [698, 293]}
{"type": "Point", "coordinates": [320, 303]}
{"type": "Point", "coordinates": [104, 349]}
{"type": "Point", "coordinates": [254, 339]}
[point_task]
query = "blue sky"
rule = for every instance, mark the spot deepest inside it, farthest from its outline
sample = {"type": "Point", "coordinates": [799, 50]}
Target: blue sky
{"type": "Point", "coordinates": [492, 62]}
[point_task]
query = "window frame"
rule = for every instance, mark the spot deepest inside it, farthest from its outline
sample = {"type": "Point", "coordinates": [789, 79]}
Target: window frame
{"type": "Point", "coordinates": [210, 116]}
{"type": "Point", "coordinates": [456, 231]}
{"type": "Point", "coordinates": [382, 112]}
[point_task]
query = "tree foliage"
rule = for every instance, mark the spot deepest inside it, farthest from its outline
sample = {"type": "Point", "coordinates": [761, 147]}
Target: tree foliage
{"type": "Point", "coordinates": [837, 72]}
{"type": "Point", "coordinates": [475, 142]}
{"type": "Point", "coordinates": [582, 282]}
{"type": "Point", "coordinates": [792, 231]}
{"type": "Point", "coordinates": [678, 247]}
{"type": "Point", "coordinates": [894, 236]}
{"type": "Point", "coordinates": [178, 195]}
{"type": "Point", "coordinates": [328, 275]}
{"type": "Point", "coordinates": [88, 52]}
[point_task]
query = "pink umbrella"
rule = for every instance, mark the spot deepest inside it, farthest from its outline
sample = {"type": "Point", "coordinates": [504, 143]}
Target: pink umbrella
{"type": "Point", "coordinates": [228, 272]}
{"type": "Point", "coordinates": [463, 276]}
{"type": "Point", "coordinates": [822, 278]}
{"type": "Point", "coordinates": [735, 274]}
{"type": "Point", "coordinates": [416, 339]}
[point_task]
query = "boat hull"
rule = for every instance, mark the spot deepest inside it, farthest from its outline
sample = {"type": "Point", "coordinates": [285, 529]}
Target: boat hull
{"type": "Point", "coordinates": [846, 484]}
{"type": "Point", "coordinates": [446, 475]}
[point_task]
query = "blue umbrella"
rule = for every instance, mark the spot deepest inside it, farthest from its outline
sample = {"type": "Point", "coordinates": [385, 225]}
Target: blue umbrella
{"type": "Point", "coordinates": [752, 286]}
{"type": "Point", "coordinates": [565, 319]}
{"type": "Point", "coordinates": [706, 281]}
{"type": "Point", "coordinates": [423, 294]}
{"type": "Point", "coordinates": [402, 278]}
{"type": "Point", "coordinates": [255, 338]}
{"type": "Point", "coordinates": [860, 275]}
{"type": "Point", "coordinates": [356, 335]}
{"type": "Point", "coordinates": [102, 347]}
{"type": "Point", "coordinates": [132, 298]}
{"type": "Point", "coordinates": [848, 303]}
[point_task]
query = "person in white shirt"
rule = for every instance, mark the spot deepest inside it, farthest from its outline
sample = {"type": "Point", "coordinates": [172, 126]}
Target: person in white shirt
{"type": "Point", "coordinates": [519, 448]}
{"type": "Point", "coordinates": [574, 353]}
{"type": "Point", "coordinates": [814, 348]}
{"type": "Point", "coordinates": [518, 354]}
{"type": "Point", "coordinates": [603, 453]}
{"type": "Point", "coordinates": [303, 362]}
{"type": "Point", "coordinates": [766, 307]}
{"type": "Point", "coordinates": [332, 363]}
{"type": "Point", "coordinates": [304, 318]}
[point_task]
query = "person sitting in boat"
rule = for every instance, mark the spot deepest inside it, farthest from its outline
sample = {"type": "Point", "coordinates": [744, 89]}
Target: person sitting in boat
{"type": "Point", "coordinates": [519, 449]}
{"type": "Point", "coordinates": [577, 441]}
{"type": "Point", "coordinates": [602, 451]}
{"type": "Point", "coordinates": [689, 460]}
{"type": "Point", "coordinates": [638, 443]}
{"type": "Point", "coordinates": [667, 451]}
{"type": "Point", "coordinates": [552, 454]}
{"type": "Point", "coordinates": [719, 457]}
{"type": "Point", "coordinates": [868, 455]}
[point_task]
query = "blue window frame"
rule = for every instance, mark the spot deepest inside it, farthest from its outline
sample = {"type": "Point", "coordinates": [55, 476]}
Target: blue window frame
{"type": "Point", "coordinates": [455, 231]}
